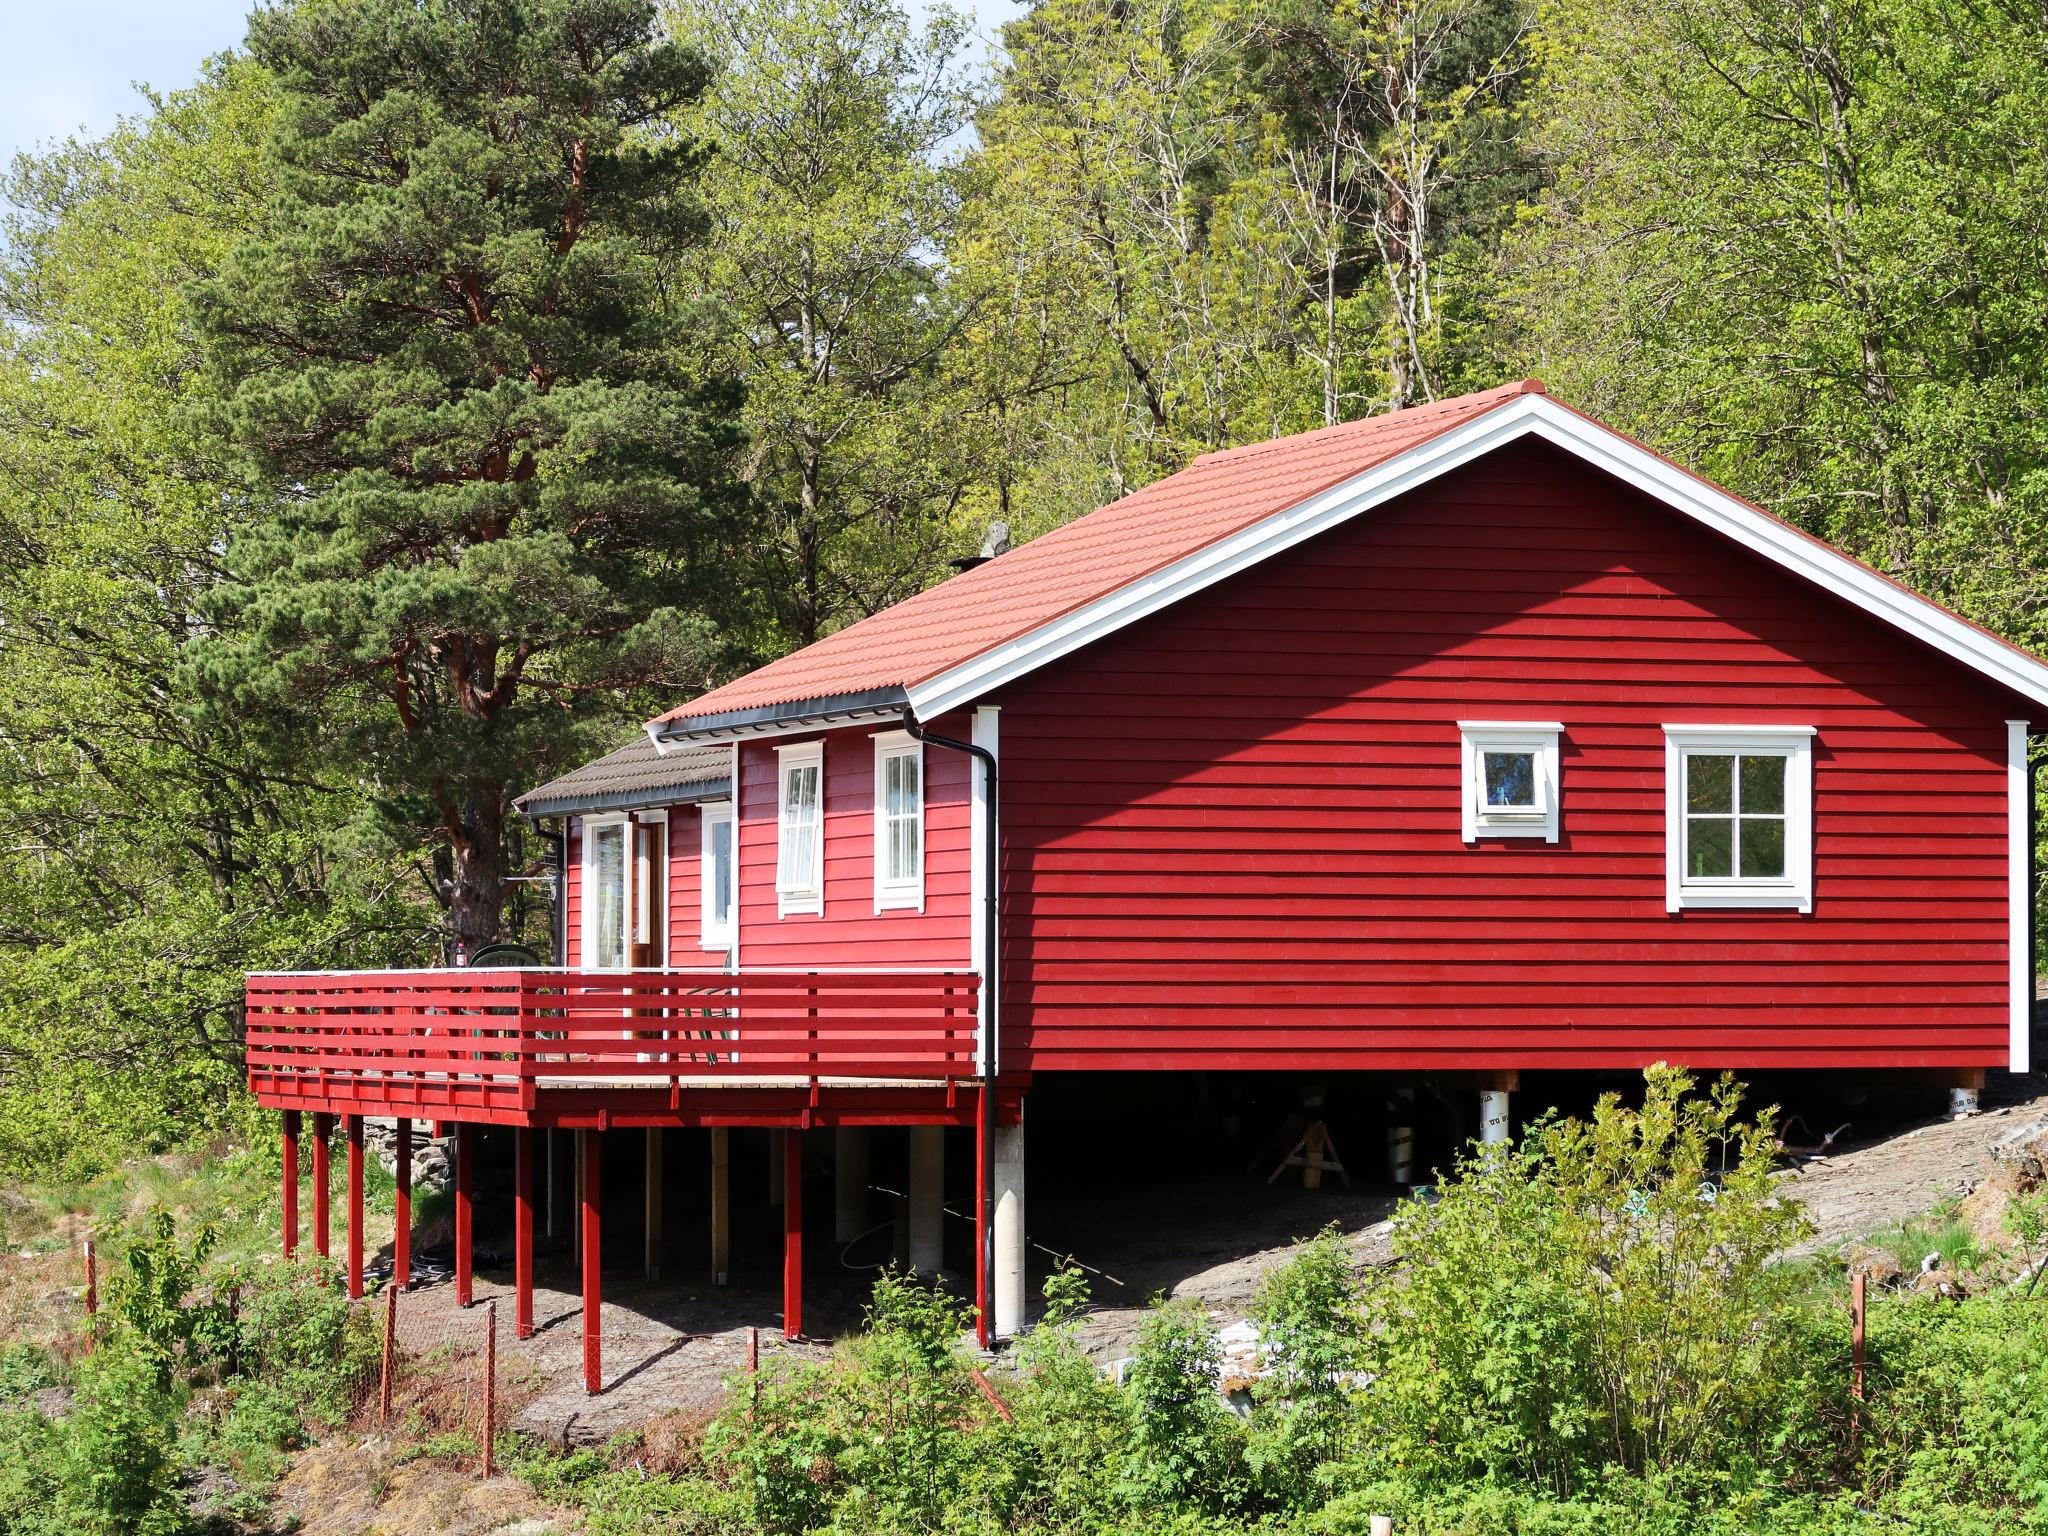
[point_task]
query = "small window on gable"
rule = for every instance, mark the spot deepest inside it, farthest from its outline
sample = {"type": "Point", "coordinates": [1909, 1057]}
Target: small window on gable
{"type": "Point", "coordinates": [1510, 783]}
{"type": "Point", "coordinates": [800, 823]}
{"type": "Point", "coordinates": [1738, 816]}
{"type": "Point", "coordinates": [899, 821]}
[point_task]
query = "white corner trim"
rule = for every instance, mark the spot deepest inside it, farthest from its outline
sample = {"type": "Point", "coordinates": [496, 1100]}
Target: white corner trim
{"type": "Point", "coordinates": [810, 900]}
{"type": "Point", "coordinates": [1523, 416]}
{"type": "Point", "coordinates": [902, 895]}
{"type": "Point", "coordinates": [1536, 737]}
{"type": "Point", "coordinates": [1795, 889]}
{"type": "Point", "coordinates": [985, 733]}
{"type": "Point", "coordinates": [739, 868]}
{"type": "Point", "coordinates": [2019, 817]}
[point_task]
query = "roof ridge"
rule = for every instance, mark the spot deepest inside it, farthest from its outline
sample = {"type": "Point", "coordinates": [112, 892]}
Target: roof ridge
{"type": "Point", "coordinates": [1379, 422]}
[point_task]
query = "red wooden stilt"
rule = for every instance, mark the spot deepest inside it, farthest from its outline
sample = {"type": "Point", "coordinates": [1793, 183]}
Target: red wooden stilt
{"type": "Point", "coordinates": [323, 1137]}
{"type": "Point", "coordinates": [593, 1298]}
{"type": "Point", "coordinates": [401, 1215]}
{"type": "Point", "coordinates": [355, 1207]}
{"type": "Point", "coordinates": [522, 1231]}
{"type": "Point", "coordinates": [291, 1182]}
{"type": "Point", "coordinates": [982, 1152]}
{"type": "Point", "coordinates": [465, 1202]}
{"type": "Point", "coordinates": [792, 1234]}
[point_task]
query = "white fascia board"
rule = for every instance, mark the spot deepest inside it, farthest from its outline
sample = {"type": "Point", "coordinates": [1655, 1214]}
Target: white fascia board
{"type": "Point", "coordinates": [2019, 817]}
{"type": "Point", "coordinates": [1524, 416]}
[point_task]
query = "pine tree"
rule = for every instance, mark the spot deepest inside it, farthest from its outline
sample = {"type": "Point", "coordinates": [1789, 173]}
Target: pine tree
{"type": "Point", "coordinates": [495, 502]}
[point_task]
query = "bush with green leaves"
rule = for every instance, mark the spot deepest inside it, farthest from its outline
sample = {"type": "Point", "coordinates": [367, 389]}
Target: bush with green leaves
{"type": "Point", "coordinates": [1603, 1294]}
{"type": "Point", "coordinates": [1312, 1334]}
{"type": "Point", "coordinates": [1185, 1446]}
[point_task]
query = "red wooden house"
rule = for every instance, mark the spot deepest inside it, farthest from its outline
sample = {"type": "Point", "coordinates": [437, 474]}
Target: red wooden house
{"type": "Point", "coordinates": [1475, 738]}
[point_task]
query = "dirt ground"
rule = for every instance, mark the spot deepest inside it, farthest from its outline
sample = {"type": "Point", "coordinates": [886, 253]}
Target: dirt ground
{"type": "Point", "coordinates": [671, 1347]}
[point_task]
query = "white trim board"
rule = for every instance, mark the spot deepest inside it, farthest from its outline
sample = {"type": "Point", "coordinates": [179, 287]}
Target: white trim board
{"type": "Point", "coordinates": [986, 733]}
{"type": "Point", "coordinates": [1532, 415]}
{"type": "Point", "coordinates": [2019, 938]}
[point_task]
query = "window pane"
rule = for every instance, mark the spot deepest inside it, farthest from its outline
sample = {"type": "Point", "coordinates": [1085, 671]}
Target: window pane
{"type": "Point", "coordinates": [796, 870]}
{"type": "Point", "coordinates": [1710, 846]}
{"type": "Point", "coordinates": [1510, 780]}
{"type": "Point", "coordinates": [1763, 843]}
{"type": "Point", "coordinates": [720, 873]}
{"type": "Point", "coordinates": [1709, 782]}
{"type": "Point", "coordinates": [607, 896]}
{"type": "Point", "coordinates": [1763, 784]}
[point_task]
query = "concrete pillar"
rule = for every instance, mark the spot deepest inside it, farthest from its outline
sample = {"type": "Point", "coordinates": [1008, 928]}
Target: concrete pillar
{"type": "Point", "coordinates": [849, 1183]}
{"type": "Point", "coordinates": [652, 1185]}
{"type": "Point", "coordinates": [1493, 1116]}
{"type": "Point", "coordinates": [721, 1206]}
{"type": "Point", "coordinates": [1964, 1100]}
{"type": "Point", "coordinates": [1007, 1284]}
{"type": "Point", "coordinates": [927, 1198]}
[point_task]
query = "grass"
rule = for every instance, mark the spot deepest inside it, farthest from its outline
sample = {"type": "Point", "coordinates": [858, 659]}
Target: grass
{"type": "Point", "coordinates": [1940, 1232]}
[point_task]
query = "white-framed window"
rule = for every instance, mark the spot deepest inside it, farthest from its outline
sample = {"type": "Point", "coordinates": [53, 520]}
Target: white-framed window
{"type": "Point", "coordinates": [1510, 781]}
{"type": "Point", "coordinates": [717, 872]}
{"type": "Point", "coordinates": [625, 891]}
{"type": "Point", "coordinates": [800, 828]}
{"type": "Point", "coordinates": [1738, 816]}
{"type": "Point", "coordinates": [899, 821]}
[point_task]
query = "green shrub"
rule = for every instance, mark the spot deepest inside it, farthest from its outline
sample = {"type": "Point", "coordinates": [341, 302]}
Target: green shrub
{"type": "Point", "coordinates": [1185, 1446]}
{"type": "Point", "coordinates": [119, 1469]}
{"type": "Point", "coordinates": [1312, 1337]}
{"type": "Point", "coordinates": [1602, 1294]}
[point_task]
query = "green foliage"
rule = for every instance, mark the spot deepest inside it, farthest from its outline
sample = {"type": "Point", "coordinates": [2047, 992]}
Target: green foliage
{"type": "Point", "coordinates": [118, 1473]}
{"type": "Point", "coordinates": [1601, 1295]}
{"type": "Point", "coordinates": [151, 1299]}
{"type": "Point", "coordinates": [491, 502]}
{"type": "Point", "coordinates": [1312, 1338]}
{"type": "Point", "coordinates": [1184, 1447]}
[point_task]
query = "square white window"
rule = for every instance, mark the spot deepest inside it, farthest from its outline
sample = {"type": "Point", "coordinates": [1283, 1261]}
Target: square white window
{"type": "Point", "coordinates": [1509, 778]}
{"type": "Point", "coordinates": [716, 867]}
{"type": "Point", "coordinates": [1738, 816]}
{"type": "Point", "coordinates": [899, 821]}
{"type": "Point", "coordinates": [800, 828]}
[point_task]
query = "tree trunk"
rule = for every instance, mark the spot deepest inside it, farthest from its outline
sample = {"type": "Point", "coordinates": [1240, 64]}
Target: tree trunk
{"type": "Point", "coordinates": [476, 891]}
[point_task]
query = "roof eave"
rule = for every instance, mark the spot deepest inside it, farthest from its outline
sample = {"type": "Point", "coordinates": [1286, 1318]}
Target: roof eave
{"type": "Point", "coordinates": [780, 719]}
{"type": "Point", "coordinates": [693, 793]}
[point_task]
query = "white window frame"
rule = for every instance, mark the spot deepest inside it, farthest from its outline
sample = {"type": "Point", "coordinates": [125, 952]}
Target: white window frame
{"type": "Point", "coordinates": [808, 895]}
{"type": "Point", "coordinates": [1537, 737]}
{"type": "Point", "coordinates": [908, 892]}
{"type": "Point", "coordinates": [587, 871]}
{"type": "Point", "coordinates": [1794, 889]}
{"type": "Point", "coordinates": [716, 931]}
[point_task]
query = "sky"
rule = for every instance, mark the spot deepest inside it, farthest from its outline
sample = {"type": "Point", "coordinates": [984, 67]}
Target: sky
{"type": "Point", "coordinates": [72, 65]}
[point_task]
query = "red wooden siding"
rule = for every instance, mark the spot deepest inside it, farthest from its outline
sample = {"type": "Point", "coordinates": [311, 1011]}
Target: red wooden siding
{"type": "Point", "coordinates": [850, 932]}
{"type": "Point", "coordinates": [1232, 832]}
{"type": "Point", "coordinates": [572, 896]}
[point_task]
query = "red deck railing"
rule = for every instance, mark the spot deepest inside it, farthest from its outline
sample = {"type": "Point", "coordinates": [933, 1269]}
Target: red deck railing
{"type": "Point", "coordinates": [497, 1037]}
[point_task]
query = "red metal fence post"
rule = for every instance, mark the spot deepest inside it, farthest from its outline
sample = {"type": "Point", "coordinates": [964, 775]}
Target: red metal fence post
{"type": "Point", "coordinates": [490, 1383]}
{"type": "Point", "coordinates": [390, 1348]}
{"type": "Point", "coordinates": [92, 1289]}
{"type": "Point", "coordinates": [290, 1138]}
{"type": "Point", "coordinates": [792, 1234]}
{"type": "Point", "coordinates": [465, 1200]}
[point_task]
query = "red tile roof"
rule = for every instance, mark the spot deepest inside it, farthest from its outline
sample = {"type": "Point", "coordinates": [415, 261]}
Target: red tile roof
{"type": "Point", "coordinates": [1218, 495]}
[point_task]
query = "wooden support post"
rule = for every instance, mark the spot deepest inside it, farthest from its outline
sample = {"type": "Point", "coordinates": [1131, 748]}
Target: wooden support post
{"type": "Point", "coordinates": [323, 1139]}
{"type": "Point", "coordinates": [587, 1150]}
{"type": "Point", "coordinates": [554, 1170]}
{"type": "Point", "coordinates": [522, 1231]}
{"type": "Point", "coordinates": [579, 1153]}
{"type": "Point", "coordinates": [355, 1207]}
{"type": "Point", "coordinates": [927, 1199]}
{"type": "Point", "coordinates": [792, 1234]}
{"type": "Point", "coordinates": [721, 1206]}
{"type": "Point", "coordinates": [401, 1207]}
{"type": "Point", "coordinates": [651, 1246]}
{"type": "Point", "coordinates": [291, 1182]}
{"type": "Point", "coordinates": [465, 1212]}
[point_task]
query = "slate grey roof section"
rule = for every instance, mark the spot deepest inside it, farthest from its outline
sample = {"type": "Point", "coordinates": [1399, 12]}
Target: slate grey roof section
{"type": "Point", "coordinates": [636, 778]}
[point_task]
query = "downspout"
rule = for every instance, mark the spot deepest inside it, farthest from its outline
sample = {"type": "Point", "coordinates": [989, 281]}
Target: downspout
{"type": "Point", "coordinates": [560, 917]}
{"type": "Point", "coordinates": [985, 1169]}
